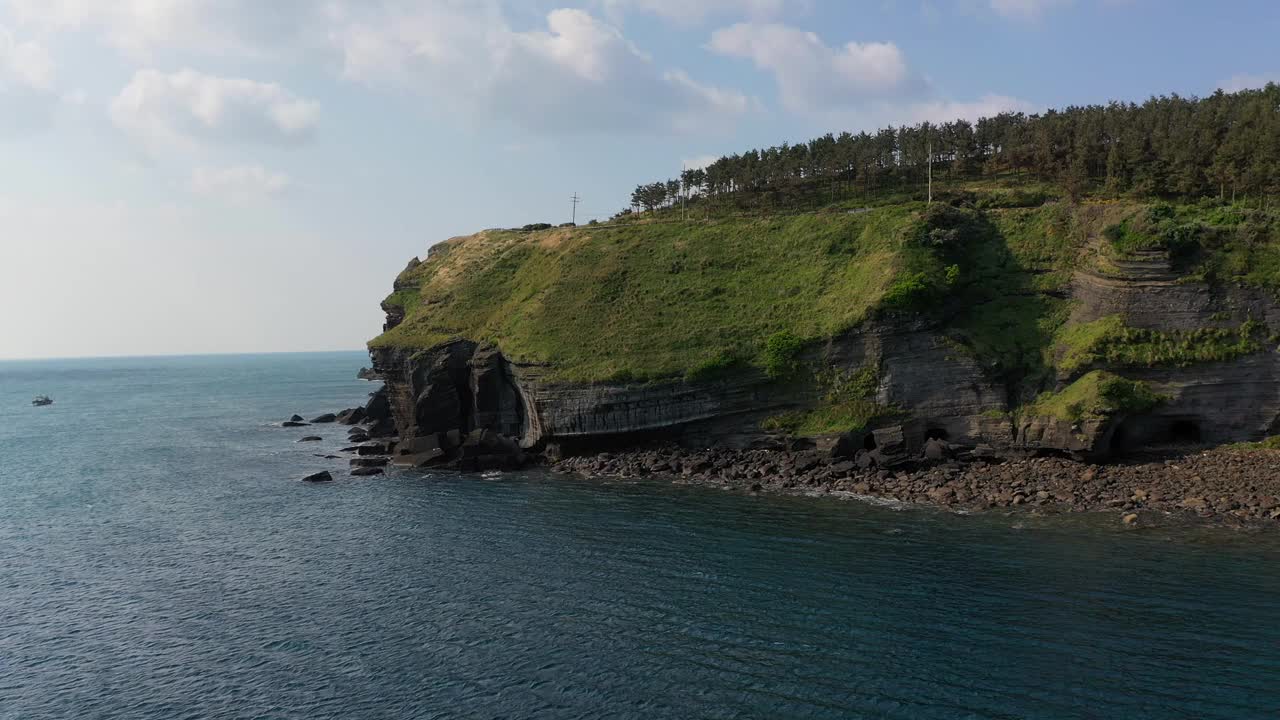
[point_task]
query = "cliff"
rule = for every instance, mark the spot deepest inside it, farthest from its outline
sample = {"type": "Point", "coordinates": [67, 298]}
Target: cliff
{"type": "Point", "coordinates": [1089, 329]}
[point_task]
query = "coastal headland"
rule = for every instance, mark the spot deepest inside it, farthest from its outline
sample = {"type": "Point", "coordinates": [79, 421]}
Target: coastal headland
{"type": "Point", "coordinates": [1013, 332]}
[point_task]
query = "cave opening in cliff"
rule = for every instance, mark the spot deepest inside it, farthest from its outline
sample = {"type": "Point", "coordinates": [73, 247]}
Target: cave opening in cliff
{"type": "Point", "coordinates": [1184, 432]}
{"type": "Point", "coordinates": [466, 402]}
{"type": "Point", "coordinates": [1119, 441]}
{"type": "Point", "coordinates": [869, 442]}
{"type": "Point", "coordinates": [936, 434]}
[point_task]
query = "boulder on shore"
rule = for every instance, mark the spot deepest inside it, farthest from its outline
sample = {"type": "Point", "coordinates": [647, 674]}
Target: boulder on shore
{"type": "Point", "coordinates": [385, 427]}
{"type": "Point", "coordinates": [935, 450]}
{"type": "Point", "coordinates": [419, 445]}
{"type": "Point", "coordinates": [486, 450]}
{"type": "Point", "coordinates": [421, 460]}
{"type": "Point", "coordinates": [322, 476]}
{"type": "Point", "coordinates": [325, 418]}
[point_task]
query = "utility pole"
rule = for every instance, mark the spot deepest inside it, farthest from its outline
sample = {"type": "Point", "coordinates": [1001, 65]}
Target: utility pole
{"type": "Point", "coordinates": [574, 217]}
{"type": "Point", "coordinates": [930, 152]}
{"type": "Point", "coordinates": [684, 192]}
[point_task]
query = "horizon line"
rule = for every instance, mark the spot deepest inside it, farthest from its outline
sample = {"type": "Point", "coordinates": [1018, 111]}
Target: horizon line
{"type": "Point", "coordinates": [179, 355]}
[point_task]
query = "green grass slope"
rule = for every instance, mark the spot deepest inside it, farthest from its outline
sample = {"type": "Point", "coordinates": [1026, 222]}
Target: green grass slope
{"type": "Point", "coordinates": [648, 300]}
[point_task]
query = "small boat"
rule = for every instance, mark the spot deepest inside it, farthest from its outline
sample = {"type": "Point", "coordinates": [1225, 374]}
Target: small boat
{"type": "Point", "coordinates": [41, 401]}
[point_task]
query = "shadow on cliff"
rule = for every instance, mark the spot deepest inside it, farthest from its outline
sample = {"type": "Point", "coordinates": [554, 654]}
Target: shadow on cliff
{"type": "Point", "coordinates": [998, 314]}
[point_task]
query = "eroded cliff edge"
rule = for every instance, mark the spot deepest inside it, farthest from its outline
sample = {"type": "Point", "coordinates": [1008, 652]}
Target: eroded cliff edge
{"type": "Point", "coordinates": [1055, 329]}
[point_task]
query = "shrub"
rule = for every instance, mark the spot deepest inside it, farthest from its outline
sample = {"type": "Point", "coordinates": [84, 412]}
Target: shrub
{"type": "Point", "coordinates": [781, 351]}
{"type": "Point", "coordinates": [847, 404]}
{"type": "Point", "coordinates": [1123, 395]}
{"type": "Point", "coordinates": [910, 292]}
{"type": "Point", "coordinates": [1013, 199]}
{"type": "Point", "coordinates": [536, 226]}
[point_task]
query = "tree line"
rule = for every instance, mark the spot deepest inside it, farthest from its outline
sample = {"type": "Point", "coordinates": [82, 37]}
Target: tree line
{"type": "Point", "coordinates": [1225, 145]}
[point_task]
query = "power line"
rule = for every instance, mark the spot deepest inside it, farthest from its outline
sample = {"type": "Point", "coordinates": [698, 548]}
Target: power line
{"type": "Point", "coordinates": [574, 217]}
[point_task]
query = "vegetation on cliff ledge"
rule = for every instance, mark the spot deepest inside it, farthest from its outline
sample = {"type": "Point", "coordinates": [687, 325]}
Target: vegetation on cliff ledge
{"type": "Point", "coordinates": [1108, 341]}
{"type": "Point", "coordinates": [1096, 395]}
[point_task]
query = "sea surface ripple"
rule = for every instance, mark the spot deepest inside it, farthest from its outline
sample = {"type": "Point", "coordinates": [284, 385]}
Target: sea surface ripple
{"type": "Point", "coordinates": [160, 560]}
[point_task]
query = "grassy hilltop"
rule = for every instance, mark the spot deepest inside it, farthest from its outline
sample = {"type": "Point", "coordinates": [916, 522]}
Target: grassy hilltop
{"type": "Point", "coordinates": [655, 297]}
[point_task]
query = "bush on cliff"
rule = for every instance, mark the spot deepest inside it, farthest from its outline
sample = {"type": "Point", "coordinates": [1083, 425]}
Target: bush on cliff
{"type": "Point", "coordinates": [847, 402]}
{"type": "Point", "coordinates": [780, 355]}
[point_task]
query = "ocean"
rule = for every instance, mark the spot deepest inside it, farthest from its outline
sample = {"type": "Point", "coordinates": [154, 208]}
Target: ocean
{"type": "Point", "coordinates": [160, 559]}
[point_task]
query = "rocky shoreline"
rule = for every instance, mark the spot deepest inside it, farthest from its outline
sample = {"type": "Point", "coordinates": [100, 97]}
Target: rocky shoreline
{"type": "Point", "coordinates": [1224, 486]}
{"type": "Point", "coordinates": [1228, 486]}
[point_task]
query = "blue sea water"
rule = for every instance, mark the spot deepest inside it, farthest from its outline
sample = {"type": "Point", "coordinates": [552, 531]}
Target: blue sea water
{"type": "Point", "coordinates": [158, 559]}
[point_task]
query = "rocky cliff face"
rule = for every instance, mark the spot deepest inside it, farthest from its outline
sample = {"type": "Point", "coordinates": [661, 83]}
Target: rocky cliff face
{"type": "Point", "coordinates": [1211, 403]}
{"type": "Point", "coordinates": [466, 386]}
{"type": "Point", "coordinates": [934, 389]}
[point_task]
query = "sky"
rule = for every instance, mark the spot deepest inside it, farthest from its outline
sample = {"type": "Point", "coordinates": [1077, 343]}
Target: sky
{"type": "Point", "coordinates": [200, 176]}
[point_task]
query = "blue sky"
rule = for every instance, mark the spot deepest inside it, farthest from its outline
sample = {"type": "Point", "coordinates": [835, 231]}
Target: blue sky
{"type": "Point", "coordinates": [190, 176]}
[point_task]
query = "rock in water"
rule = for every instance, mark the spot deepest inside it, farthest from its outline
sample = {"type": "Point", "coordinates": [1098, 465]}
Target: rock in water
{"type": "Point", "coordinates": [373, 449]}
{"type": "Point", "coordinates": [322, 476]}
{"type": "Point", "coordinates": [351, 416]}
{"type": "Point", "coordinates": [366, 471]}
{"type": "Point", "coordinates": [368, 374]}
{"type": "Point", "coordinates": [325, 418]}
{"type": "Point", "coordinates": [1130, 519]}
{"type": "Point", "coordinates": [296, 418]}
{"type": "Point", "coordinates": [370, 461]}
{"type": "Point", "coordinates": [293, 423]}
{"type": "Point", "coordinates": [311, 438]}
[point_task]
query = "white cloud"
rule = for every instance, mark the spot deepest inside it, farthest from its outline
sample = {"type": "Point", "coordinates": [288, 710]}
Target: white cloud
{"type": "Point", "coordinates": [813, 76]}
{"type": "Point", "coordinates": [24, 64]}
{"type": "Point", "coordinates": [578, 74]}
{"type": "Point", "coordinates": [27, 78]}
{"type": "Point", "coordinates": [241, 183]}
{"type": "Point", "coordinates": [139, 27]}
{"type": "Point", "coordinates": [699, 162]}
{"type": "Point", "coordinates": [693, 12]}
{"type": "Point", "coordinates": [1249, 81]}
{"type": "Point", "coordinates": [988, 105]}
{"type": "Point", "coordinates": [573, 74]}
{"type": "Point", "coordinates": [1024, 9]}
{"type": "Point", "coordinates": [187, 106]}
